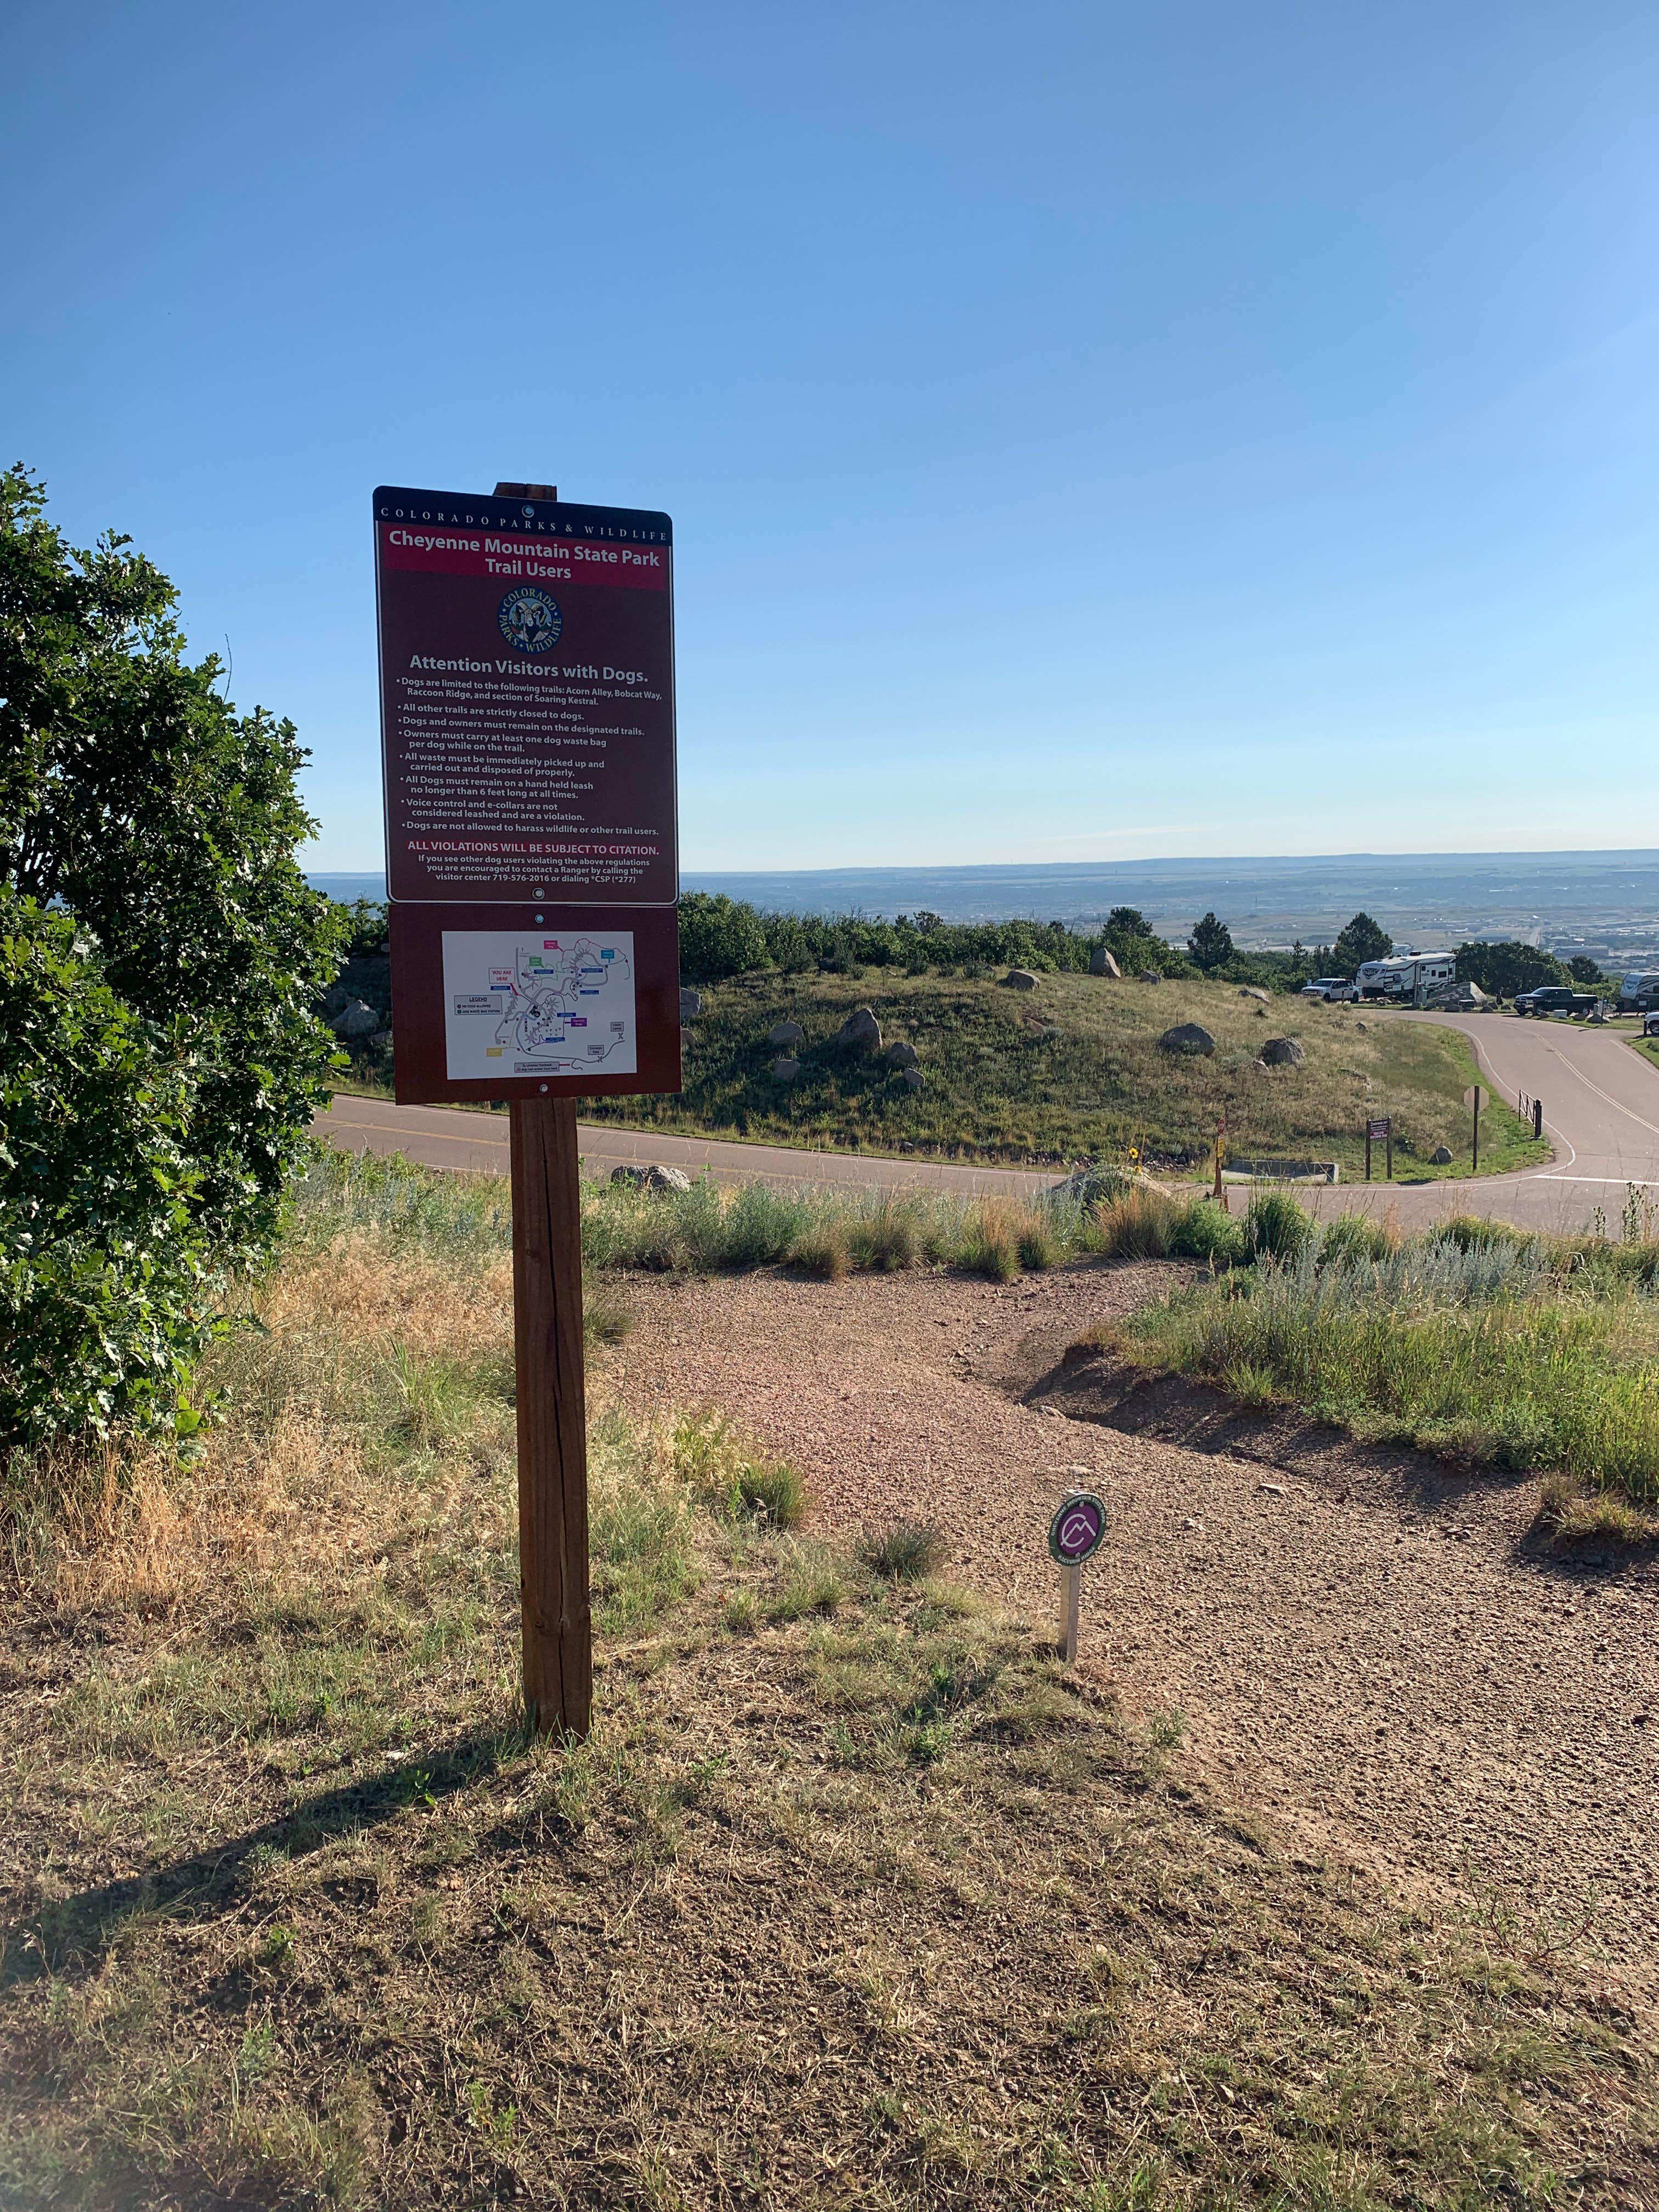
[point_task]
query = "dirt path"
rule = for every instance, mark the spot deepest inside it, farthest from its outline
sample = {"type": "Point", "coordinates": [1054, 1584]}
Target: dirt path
{"type": "Point", "coordinates": [1370, 1655]}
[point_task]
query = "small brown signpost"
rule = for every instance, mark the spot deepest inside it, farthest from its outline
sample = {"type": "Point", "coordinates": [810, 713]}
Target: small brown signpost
{"type": "Point", "coordinates": [1379, 1130]}
{"type": "Point", "coordinates": [1475, 1097]}
{"type": "Point", "coordinates": [527, 722]}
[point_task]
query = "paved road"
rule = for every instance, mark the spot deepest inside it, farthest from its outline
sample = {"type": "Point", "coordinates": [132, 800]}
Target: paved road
{"type": "Point", "coordinates": [440, 1137]}
{"type": "Point", "coordinates": [1601, 1112]}
{"type": "Point", "coordinates": [1601, 1109]}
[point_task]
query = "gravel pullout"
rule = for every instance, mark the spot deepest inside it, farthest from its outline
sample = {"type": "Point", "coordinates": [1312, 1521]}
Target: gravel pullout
{"type": "Point", "coordinates": [1381, 1665]}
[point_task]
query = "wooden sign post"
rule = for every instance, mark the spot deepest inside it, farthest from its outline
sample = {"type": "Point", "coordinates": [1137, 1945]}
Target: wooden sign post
{"type": "Point", "coordinates": [1379, 1130]}
{"type": "Point", "coordinates": [1475, 1097]}
{"type": "Point", "coordinates": [527, 720]}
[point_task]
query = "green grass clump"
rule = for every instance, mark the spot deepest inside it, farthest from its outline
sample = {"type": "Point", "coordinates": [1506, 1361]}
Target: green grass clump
{"type": "Point", "coordinates": [720, 1466]}
{"type": "Point", "coordinates": [909, 1552]}
{"type": "Point", "coordinates": [1506, 1349]}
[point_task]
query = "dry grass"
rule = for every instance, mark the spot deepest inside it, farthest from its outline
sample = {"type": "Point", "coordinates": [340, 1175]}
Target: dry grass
{"type": "Point", "coordinates": [853, 1899]}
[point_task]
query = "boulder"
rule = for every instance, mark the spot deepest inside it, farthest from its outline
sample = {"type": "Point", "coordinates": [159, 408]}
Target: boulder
{"type": "Point", "coordinates": [1250, 991]}
{"type": "Point", "coordinates": [1150, 975]}
{"type": "Point", "coordinates": [652, 1178]}
{"type": "Point", "coordinates": [690, 1006]}
{"type": "Point", "coordinates": [859, 1032]}
{"type": "Point", "coordinates": [785, 1033]}
{"type": "Point", "coordinates": [1101, 962]}
{"type": "Point", "coordinates": [380, 1042]}
{"type": "Point", "coordinates": [1188, 1038]}
{"type": "Point", "coordinates": [899, 1055]}
{"type": "Point", "coordinates": [785, 1071]}
{"type": "Point", "coordinates": [1360, 1026]}
{"type": "Point", "coordinates": [914, 1078]}
{"type": "Point", "coordinates": [1441, 1156]}
{"type": "Point", "coordinates": [355, 1019]}
{"type": "Point", "coordinates": [1020, 979]}
{"type": "Point", "coordinates": [1089, 1183]}
{"type": "Point", "coordinates": [1282, 1052]}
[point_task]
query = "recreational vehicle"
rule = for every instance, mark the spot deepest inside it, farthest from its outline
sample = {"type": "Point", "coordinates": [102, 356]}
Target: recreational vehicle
{"type": "Point", "coordinates": [1406, 974]}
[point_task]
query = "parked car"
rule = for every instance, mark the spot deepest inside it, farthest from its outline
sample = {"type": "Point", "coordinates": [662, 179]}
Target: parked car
{"type": "Point", "coordinates": [1328, 988]}
{"type": "Point", "coordinates": [1555, 999]}
{"type": "Point", "coordinates": [1650, 1024]}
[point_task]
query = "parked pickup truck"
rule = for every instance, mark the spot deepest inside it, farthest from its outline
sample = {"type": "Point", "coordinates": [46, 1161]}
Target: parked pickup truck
{"type": "Point", "coordinates": [1555, 999]}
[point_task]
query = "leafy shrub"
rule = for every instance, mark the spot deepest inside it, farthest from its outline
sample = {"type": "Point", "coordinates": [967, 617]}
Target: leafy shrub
{"type": "Point", "coordinates": [135, 799]}
{"type": "Point", "coordinates": [1276, 1227]}
{"type": "Point", "coordinates": [1202, 1232]}
{"type": "Point", "coordinates": [106, 1285]}
{"type": "Point", "coordinates": [1352, 1237]}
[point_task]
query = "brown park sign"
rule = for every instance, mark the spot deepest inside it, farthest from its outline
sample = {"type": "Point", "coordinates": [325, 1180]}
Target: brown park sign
{"type": "Point", "coordinates": [527, 720]}
{"type": "Point", "coordinates": [527, 699]}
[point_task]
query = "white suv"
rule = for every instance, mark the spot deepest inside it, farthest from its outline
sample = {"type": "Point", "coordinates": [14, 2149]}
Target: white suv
{"type": "Point", "coordinates": [1327, 987]}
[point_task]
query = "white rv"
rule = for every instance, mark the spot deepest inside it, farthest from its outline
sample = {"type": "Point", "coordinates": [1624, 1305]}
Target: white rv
{"type": "Point", "coordinates": [1405, 974]}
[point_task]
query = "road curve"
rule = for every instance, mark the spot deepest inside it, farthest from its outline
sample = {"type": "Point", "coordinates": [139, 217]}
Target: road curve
{"type": "Point", "coordinates": [476, 1143]}
{"type": "Point", "coordinates": [1601, 1111]}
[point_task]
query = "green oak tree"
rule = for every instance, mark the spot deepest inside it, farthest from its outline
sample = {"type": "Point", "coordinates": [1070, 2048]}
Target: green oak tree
{"type": "Point", "coordinates": [161, 955]}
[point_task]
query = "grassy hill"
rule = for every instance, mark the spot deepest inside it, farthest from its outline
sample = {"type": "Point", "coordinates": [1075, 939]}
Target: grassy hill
{"type": "Point", "coordinates": [1073, 1067]}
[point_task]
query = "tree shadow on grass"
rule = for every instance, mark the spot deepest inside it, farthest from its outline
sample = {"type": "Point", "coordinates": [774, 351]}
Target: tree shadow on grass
{"type": "Point", "coordinates": [80, 1931]}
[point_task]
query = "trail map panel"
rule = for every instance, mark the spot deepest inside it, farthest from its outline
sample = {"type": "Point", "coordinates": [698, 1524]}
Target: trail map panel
{"type": "Point", "coordinates": [527, 699]}
{"type": "Point", "coordinates": [532, 1002]}
{"type": "Point", "coordinates": [493, 1002]}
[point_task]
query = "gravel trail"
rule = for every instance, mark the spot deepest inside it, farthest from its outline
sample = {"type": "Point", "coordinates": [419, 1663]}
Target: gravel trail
{"type": "Point", "coordinates": [1376, 1662]}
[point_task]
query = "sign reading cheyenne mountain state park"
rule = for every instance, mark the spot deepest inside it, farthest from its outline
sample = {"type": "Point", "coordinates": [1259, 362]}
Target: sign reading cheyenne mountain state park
{"type": "Point", "coordinates": [527, 699]}
{"type": "Point", "coordinates": [527, 716]}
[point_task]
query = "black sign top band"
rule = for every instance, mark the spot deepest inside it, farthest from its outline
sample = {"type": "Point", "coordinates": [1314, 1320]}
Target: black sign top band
{"type": "Point", "coordinates": [534, 517]}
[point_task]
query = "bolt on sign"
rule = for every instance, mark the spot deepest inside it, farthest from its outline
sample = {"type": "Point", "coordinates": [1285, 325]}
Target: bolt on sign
{"type": "Point", "coordinates": [527, 716]}
{"type": "Point", "coordinates": [527, 722]}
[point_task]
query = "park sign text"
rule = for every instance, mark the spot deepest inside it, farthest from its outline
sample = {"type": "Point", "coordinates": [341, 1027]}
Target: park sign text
{"type": "Point", "coordinates": [528, 719]}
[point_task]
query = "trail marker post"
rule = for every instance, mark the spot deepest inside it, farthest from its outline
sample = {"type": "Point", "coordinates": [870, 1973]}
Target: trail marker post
{"type": "Point", "coordinates": [1075, 1533]}
{"type": "Point", "coordinates": [527, 725]}
{"type": "Point", "coordinates": [1474, 1098]}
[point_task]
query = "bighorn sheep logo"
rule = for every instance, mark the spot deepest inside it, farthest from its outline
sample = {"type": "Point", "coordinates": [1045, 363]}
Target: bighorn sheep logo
{"type": "Point", "coordinates": [530, 620]}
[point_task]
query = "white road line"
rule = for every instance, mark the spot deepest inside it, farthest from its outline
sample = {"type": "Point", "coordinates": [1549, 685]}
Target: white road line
{"type": "Point", "coordinates": [1617, 1105]}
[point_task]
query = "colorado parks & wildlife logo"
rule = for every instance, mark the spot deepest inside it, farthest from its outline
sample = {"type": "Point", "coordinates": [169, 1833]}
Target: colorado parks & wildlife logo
{"type": "Point", "coordinates": [530, 620]}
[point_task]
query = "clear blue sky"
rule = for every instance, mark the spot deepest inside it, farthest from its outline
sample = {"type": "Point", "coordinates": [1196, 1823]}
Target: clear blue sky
{"type": "Point", "coordinates": [1092, 431]}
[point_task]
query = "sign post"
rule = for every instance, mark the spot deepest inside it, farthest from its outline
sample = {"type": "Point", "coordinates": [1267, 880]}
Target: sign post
{"type": "Point", "coordinates": [1075, 1533]}
{"type": "Point", "coordinates": [527, 722]}
{"type": "Point", "coordinates": [1474, 1098]}
{"type": "Point", "coordinates": [1379, 1130]}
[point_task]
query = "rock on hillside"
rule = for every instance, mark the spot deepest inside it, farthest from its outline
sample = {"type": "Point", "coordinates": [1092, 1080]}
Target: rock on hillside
{"type": "Point", "coordinates": [859, 1032]}
{"type": "Point", "coordinates": [899, 1055]}
{"type": "Point", "coordinates": [1101, 962]}
{"type": "Point", "coordinates": [1020, 979]}
{"type": "Point", "coordinates": [1188, 1038]}
{"type": "Point", "coordinates": [785, 1033]}
{"type": "Point", "coordinates": [1283, 1052]}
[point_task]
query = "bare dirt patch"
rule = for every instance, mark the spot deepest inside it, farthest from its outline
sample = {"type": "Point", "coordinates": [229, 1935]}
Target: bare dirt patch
{"type": "Point", "coordinates": [1387, 1663]}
